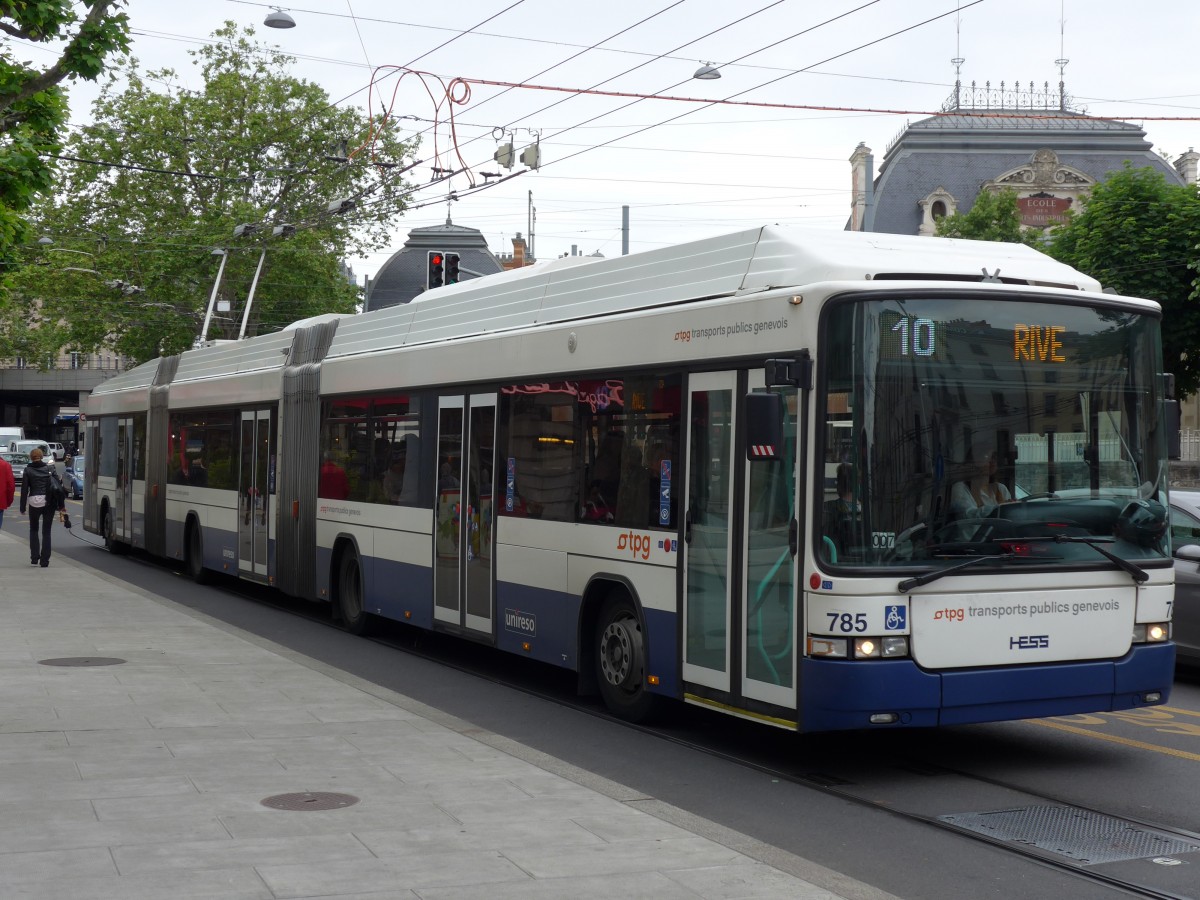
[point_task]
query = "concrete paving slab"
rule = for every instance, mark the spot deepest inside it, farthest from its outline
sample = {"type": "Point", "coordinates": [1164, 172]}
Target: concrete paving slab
{"type": "Point", "coordinates": [146, 779]}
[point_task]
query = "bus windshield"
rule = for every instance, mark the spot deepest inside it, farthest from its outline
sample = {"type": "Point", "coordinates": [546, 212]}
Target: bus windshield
{"type": "Point", "coordinates": [968, 426]}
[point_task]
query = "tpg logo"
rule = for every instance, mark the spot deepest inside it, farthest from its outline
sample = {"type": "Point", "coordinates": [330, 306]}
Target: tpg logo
{"type": "Point", "coordinates": [1029, 642]}
{"type": "Point", "coordinates": [636, 544]}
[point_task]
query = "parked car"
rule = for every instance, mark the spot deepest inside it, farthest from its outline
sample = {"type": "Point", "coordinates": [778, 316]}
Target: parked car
{"type": "Point", "coordinates": [1185, 547]}
{"type": "Point", "coordinates": [73, 478]}
{"type": "Point", "coordinates": [18, 461]}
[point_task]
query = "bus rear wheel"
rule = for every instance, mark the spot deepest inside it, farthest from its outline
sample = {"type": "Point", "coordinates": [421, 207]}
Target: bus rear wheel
{"type": "Point", "coordinates": [621, 660]}
{"type": "Point", "coordinates": [194, 554]}
{"type": "Point", "coordinates": [355, 618]}
{"type": "Point", "coordinates": [111, 544]}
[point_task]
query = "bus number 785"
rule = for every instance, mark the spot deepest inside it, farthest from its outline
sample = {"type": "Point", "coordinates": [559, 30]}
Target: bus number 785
{"type": "Point", "coordinates": [847, 622]}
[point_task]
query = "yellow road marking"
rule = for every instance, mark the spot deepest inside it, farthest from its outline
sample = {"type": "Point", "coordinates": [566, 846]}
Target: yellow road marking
{"type": "Point", "coordinates": [1179, 712]}
{"type": "Point", "coordinates": [1117, 739]}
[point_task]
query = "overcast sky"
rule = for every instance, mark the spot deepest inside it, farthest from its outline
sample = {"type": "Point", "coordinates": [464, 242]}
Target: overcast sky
{"type": "Point", "coordinates": [689, 170]}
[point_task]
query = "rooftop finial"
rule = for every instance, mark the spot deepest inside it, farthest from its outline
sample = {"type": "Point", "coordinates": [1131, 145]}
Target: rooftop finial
{"type": "Point", "coordinates": [1062, 60]}
{"type": "Point", "coordinates": [958, 57]}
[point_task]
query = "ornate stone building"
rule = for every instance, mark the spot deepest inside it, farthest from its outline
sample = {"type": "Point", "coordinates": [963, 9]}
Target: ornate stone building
{"type": "Point", "coordinates": [989, 139]}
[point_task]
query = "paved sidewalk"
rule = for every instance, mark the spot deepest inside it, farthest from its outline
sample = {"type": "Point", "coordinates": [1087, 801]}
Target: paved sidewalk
{"type": "Point", "coordinates": [144, 778]}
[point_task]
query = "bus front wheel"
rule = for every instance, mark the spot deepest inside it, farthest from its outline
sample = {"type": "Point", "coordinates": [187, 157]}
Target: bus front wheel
{"type": "Point", "coordinates": [621, 660]}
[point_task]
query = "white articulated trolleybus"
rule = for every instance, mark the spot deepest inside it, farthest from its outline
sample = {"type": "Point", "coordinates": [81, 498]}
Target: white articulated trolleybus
{"type": "Point", "coordinates": [823, 480]}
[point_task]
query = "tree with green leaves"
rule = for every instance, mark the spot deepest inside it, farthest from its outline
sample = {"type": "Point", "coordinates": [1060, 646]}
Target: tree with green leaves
{"type": "Point", "coordinates": [33, 108]}
{"type": "Point", "coordinates": [1140, 235]}
{"type": "Point", "coordinates": [152, 192]}
{"type": "Point", "coordinates": [993, 217]}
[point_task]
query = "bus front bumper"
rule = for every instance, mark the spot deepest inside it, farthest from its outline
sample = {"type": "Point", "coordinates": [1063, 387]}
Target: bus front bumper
{"type": "Point", "coordinates": [845, 694]}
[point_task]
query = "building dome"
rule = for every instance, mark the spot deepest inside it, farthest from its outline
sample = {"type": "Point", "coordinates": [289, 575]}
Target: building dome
{"type": "Point", "coordinates": [402, 277]}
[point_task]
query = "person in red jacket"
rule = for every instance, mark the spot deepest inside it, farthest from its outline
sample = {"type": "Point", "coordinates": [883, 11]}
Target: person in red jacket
{"type": "Point", "coordinates": [8, 488]}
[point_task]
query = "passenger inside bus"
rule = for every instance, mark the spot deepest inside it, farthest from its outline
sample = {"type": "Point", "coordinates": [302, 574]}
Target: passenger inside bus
{"type": "Point", "coordinates": [605, 481]}
{"type": "Point", "coordinates": [393, 478]}
{"type": "Point", "coordinates": [332, 482]}
{"type": "Point", "coordinates": [197, 474]}
{"type": "Point", "coordinates": [400, 482]}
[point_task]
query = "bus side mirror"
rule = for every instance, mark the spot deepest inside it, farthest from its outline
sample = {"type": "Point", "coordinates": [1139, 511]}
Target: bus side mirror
{"type": "Point", "coordinates": [764, 426]}
{"type": "Point", "coordinates": [1174, 440]}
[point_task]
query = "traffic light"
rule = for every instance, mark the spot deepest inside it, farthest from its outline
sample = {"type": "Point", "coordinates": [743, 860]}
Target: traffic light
{"type": "Point", "coordinates": [435, 271]}
{"type": "Point", "coordinates": [451, 268]}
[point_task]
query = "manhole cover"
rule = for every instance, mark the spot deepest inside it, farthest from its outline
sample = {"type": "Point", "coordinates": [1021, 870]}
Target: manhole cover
{"type": "Point", "coordinates": [1080, 834]}
{"type": "Point", "coordinates": [315, 800]}
{"type": "Point", "coordinates": [83, 661]}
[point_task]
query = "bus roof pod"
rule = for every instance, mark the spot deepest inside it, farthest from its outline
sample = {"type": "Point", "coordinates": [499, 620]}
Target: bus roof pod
{"type": "Point", "coordinates": [748, 261]}
{"type": "Point", "coordinates": [787, 257]}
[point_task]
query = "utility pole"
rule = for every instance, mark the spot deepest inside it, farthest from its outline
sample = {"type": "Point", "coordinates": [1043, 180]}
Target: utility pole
{"type": "Point", "coordinates": [625, 230]}
{"type": "Point", "coordinates": [532, 215]}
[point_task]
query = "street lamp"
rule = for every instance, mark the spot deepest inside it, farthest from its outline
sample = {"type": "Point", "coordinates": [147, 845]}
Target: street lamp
{"type": "Point", "coordinates": [707, 72]}
{"type": "Point", "coordinates": [279, 19]}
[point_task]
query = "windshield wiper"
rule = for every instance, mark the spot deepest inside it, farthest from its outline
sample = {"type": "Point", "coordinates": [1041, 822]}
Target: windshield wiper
{"type": "Point", "coordinates": [909, 583]}
{"type": "Point", "coordinates": [1138, 574]}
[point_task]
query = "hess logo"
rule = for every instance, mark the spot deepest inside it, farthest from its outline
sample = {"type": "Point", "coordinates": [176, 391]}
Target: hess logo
{"type": "Point", "coordinates": [635, 544]}
{"type": "Point", "coordinates": [1029, 642]}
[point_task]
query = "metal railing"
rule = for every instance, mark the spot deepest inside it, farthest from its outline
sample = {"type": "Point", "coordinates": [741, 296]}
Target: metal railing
{"type": "Point", "coordinates": [1189, 444]}
{"type": "Point", "coordinates": [103, 362]}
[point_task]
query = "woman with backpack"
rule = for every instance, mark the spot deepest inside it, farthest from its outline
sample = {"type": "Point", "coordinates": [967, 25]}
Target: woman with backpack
{"type": "Point", "coordinates": [42, 494]}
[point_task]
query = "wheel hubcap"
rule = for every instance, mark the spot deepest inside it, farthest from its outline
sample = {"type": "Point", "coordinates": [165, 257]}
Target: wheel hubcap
{"type": "Point", "coordinates": [620, 653]}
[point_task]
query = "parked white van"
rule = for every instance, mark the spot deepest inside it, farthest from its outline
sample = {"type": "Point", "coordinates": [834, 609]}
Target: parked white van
{"type": "Point", "coordinates": [26, 446]}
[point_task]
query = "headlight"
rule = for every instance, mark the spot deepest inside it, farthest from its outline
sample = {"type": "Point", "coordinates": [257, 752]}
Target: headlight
{"type": "Point", "coordinates": [828, 647]}
{"type": "Point", "coordinates": [866, 648]}
{"type": "Point", "coordinates": [1152, 633]}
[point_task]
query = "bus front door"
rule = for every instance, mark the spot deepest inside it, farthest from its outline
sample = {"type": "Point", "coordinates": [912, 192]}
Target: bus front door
{"type": "Point", "coordinates": [770, 541]}
{"type": "Point", "coordinates": [464, 515]}
{"type": "Point", "coordinates": [739, 613]}
{"type": "Point", "coordinates": [254, 494]}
